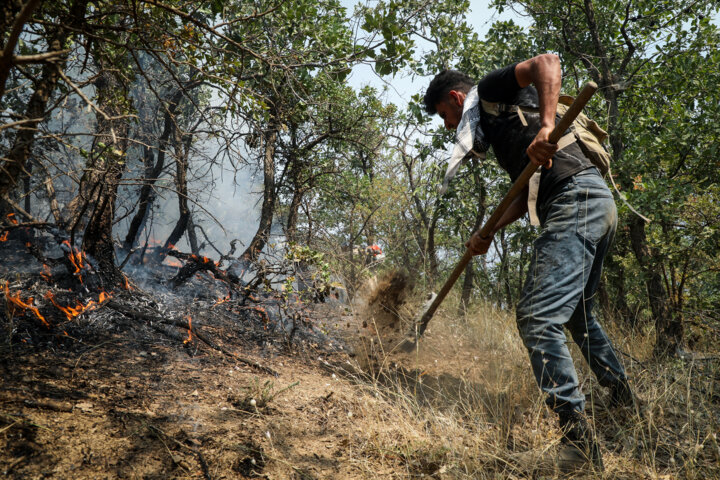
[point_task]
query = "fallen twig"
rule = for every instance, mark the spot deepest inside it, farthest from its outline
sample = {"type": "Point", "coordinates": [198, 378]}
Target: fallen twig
{"type": "Point", "coordinates": [196, 451]}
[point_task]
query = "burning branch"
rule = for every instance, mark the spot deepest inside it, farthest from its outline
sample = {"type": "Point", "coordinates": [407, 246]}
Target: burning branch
{"type": "Point", "coordinates": [79, 308]}
{"type": "Point", "coordinates": [195, 263]}
{"type": "Point", "coordinates": [15, 302]}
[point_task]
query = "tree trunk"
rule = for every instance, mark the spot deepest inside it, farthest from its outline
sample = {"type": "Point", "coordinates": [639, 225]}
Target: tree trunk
{"type": "Point", "coordinates": [110, 154]}
{"type": "Point", "coordinates": [13, 167]}
{"type": "Point", "coordinates": [15, 16]}
{"type": "Point", "coordinates": [192, 235]}
{"type": "Point", "coordinates": [430, 248]}
{"type": "Point", "coordinates": [182, 151]}
{"type": "Point", "coordinates": [291, 226]}
{"type": "Point", "coordinates": [295, 166]}
{"type": "Point", "coordinates": [469, 277]}
{"type": "Point", "coordinates": [26, 188]}
{"type": "Point", "coordinates": [505, 270]}
{"type": "Point", "coordinates": [152, 173]}
{"type": "Point", "coordinates": [668, 325]}
{"type": "Point", "coordinates": [262, 234]}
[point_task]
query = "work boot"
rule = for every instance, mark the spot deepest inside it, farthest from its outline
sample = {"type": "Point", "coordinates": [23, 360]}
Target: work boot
{"type": "Point", "coordinates": [579, 449]}
{"type": "Point", "coordinates": [622, 397]}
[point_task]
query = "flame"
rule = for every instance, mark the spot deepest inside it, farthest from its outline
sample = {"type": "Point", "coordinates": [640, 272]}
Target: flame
{"type": "Point", "coordinates": [46, 274]}
{"type": "Point", "coordinates": [203, 259]}
{"type": "Point", "coordinates": [224, 299]}
{"type": "Point", "coordinates": [16, 302]}
{"type": "Point", "coordinates": [4, 236]}
{"type": "Point", "coordinates": [189, 338]}
{"type": "Point", "coordinates": [126, 284]}
{"type": "Point", "coordinates": [72, 312]}
{"type": "Point", "coordinates": [11, 217]}
{"type": "Point", "coordinates": [75, 256]}
{"type": "Point", "coordinates": [172, 262]}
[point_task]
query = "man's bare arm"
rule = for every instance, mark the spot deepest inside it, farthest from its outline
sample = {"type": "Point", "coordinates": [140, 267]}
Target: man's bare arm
{"type": "Point", "coordinates": [545, 73]}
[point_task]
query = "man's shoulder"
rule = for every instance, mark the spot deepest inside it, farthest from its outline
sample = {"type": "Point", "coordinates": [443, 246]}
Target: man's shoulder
{"type": "Point", "coordinates": [501, 86]}
{"type": "Point", "coordinates": [497, 85]}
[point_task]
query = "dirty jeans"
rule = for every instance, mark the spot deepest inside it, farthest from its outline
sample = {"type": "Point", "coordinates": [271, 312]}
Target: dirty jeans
{"type": "Point", "coordinates": [578, 223]}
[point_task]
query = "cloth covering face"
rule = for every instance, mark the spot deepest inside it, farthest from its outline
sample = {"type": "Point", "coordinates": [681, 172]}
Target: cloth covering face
{"type": "Point", "coordinates": [469, 138]}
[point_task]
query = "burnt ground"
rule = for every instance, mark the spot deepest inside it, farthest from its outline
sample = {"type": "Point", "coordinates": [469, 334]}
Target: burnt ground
{"type": "Point", "coordinates": [178, 382]}
{"type": "Point", "coordinates": [165, 382]}
{"type": "Point", "coordinates": [118, 398]}
{"type": "Point", "coordinates": [126, 390]}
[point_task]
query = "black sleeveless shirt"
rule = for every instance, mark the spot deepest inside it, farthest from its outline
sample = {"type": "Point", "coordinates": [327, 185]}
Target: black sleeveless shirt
{"type": "Point", "coordinates": [510, 138]}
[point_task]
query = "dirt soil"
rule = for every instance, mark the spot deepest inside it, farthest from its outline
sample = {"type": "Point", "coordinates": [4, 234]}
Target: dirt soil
{"type": "Point", "coordinates": [124, 401]}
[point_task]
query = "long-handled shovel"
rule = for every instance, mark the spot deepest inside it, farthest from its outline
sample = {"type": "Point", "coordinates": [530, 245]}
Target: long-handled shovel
{"type": "Point", "coordinates": [420, 324]}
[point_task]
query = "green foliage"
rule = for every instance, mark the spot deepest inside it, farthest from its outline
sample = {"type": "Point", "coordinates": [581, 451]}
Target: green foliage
{"type": "Point", "coordinates": [351, 168]}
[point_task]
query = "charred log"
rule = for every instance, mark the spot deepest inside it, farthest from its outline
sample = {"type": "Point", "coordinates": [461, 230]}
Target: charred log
{"type": "Point", "coordinates": [195, 264]}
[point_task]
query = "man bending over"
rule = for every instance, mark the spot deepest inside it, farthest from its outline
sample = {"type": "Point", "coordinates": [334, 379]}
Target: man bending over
{"type": "Point", "coordinates": [578, 219]}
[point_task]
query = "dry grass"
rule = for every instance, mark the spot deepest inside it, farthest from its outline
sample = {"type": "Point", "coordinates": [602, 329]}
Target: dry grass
{"type": "Point", "coordinates": [466, 402]}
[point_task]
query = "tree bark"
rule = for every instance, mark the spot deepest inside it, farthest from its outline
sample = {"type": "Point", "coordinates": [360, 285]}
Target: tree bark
{"type": "Point", "coordinates": [297, 196]}
{"type": "Point", "coordinates": [668, 324]}
{"type": "Point", "coordinates": [469, 277]}
{"type": "Point", "coordinates": [16, 15]}
{"type": "Point", "coordinates": [13, 167]}
{"type": "Point", "coordinates": [182, 151]}
{"type": "Point", "coordinates": [107, 171]}
{"type": "Point", "coordinates": [262, 234]}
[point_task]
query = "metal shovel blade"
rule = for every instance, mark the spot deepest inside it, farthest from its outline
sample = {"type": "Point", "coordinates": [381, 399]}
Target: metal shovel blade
{"type": "Point", "coordinates": [409, 343]}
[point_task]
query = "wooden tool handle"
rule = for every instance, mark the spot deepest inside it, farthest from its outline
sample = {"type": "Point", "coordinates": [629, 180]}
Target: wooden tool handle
{"type": "Point", "coordinates": [588, 90]}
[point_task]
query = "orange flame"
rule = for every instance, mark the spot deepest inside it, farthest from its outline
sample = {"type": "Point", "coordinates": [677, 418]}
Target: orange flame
{"type": "Point", "coordinates": [224, 299]}
{"type": "Point", "coordinates": [16, 302]}
{"type": "Point", "coordinates": [46, 274]}
{"type": "Point", "coordinates": [76, 258]}
{"type": "Point", "coordinates": [173, 262]}
{"type": "Point", "coordinates": [4, 236]}
{"type": "Point", "coordinates": [203, 259]}
{"type": "Point", "coordinates": [72, 312]}
{"type": "Point", "coordinates": [189, 338]}
{"type": "Point", "coordinates": [126, 285]}
{"type": "Point", "coordinates": [11, 217]}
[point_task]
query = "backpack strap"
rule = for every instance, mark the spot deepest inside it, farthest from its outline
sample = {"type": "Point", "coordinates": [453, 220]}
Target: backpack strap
{"type": "Point", "coordinates": [495, 109]}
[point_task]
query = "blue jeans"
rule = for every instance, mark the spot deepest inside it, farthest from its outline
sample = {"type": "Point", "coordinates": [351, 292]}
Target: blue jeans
{"type": "Point", "coordinates": [578, 223]}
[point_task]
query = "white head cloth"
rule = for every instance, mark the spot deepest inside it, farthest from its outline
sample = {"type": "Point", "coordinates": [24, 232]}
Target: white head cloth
{"type": "Point", "coordinates": [464, 137]}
